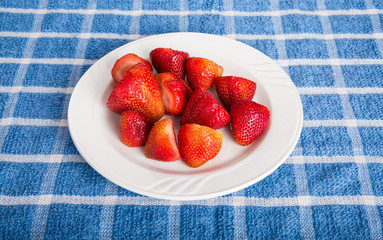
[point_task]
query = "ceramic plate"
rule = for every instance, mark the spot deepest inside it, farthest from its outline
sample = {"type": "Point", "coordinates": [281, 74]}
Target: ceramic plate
{"type": "Point", "coordinates": [95, 129]}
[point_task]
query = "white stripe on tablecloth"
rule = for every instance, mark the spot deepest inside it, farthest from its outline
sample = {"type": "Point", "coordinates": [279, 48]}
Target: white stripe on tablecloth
{"type": "Point", "coordinates": [34, 122]}
{"type": "Point", "coordinates": [300, 159]}
{"type": "Point", "coordinates": [47, 187]}
{"type": "Point", "coordinates": [135, 22]}
{"type": "Point", "coordinates": [339, 90]}
{"type": "Point", "coordinates": [183, 19]}
{"type": "Point", "coordinates": [71, 35]}
{"type": "Point", "coordinates": [219, 201]}
{"type": "Point", "coordinates": [133, 12]}
{"type": "Point", "coordinates": [332, 62]}
{"type": "Point", "coordinates": [239, 221]}
{"type": "Point", "coordinates": [294, 159]}
{"type": "Point", "coordinates": [304, 198]}
{"type": "Point", "coordinates": [301, 90]}
{"type": "Point", "coordinates": [184, 26]}
{"type": "Point", "coordinates": [372, 213]}
{"type": "Point", "coordinates": [41, 158]}
{"type": "Point", "coordinates": [108, 210]}
{"type": "Point", "coordinates": [376, 27]}
{"type": "Point", "coordinates": [278, 30]}
{"type": "Point", "coordinates": [351, 123]}
{"type": "Point", "coordinates": [229, 20]}
{"type": "Point", "coordinates": [174, 218]}
{"type": "Point", "coordinates": [283, 63]}
{"type": "Point", "coordinates": [48, 61]}
{"type": "Point", "coordinates": [301, 36]}
{"type": "Point", "coordinates": [36, 89]}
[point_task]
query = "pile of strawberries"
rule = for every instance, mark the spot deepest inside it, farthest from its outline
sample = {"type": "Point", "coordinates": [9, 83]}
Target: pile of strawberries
{"type": "Point", "coordinates": [143, 99]}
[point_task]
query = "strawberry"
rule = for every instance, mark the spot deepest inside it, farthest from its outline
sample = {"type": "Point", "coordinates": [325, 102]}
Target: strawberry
{"type": "Point", "coordinates": [126, 62]}
{"type": "Point", "coordinates": [198, 144]}
{"type": "Point", "coordinates": [161, 144]}
{"type": "Point", "coordinates": [134, 128]}
{"type": "Point", "coordinates": [138, 90]}
{"type": "Point", "coordinates": [168, 76]}
{"type": "Point", "coordinates": [200, 72]}
{"type": "Point", "coordinates": [202, 108]}
{"type": "Point", "coordinates": [248, 120]}
{"type": "Point", "coordinates": [169, 60]}
{"type": "Point", "coordinates": [174, 91]}
{"type": "Point", "coordinates": [230, 88]}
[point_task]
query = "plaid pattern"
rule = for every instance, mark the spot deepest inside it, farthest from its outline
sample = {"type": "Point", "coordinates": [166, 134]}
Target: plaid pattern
{"type": "Point", "coordinates": [330, 187]}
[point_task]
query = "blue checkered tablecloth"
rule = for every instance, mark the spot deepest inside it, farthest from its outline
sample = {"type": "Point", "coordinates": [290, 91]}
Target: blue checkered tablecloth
{"type": "Point", "coordinates": [330, 187]}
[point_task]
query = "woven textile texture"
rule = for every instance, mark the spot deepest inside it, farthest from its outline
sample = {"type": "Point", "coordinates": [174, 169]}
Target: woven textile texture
{"type": "Point", "coordinates": [330, 187]}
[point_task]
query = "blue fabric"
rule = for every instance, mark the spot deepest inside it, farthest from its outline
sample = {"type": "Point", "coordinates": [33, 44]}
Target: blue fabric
{"type": "Point", "coordinates": [58, 22]}
{"type": "Point", "coordinates": [283, 225]}
{"type": "Point", "coordinates": [295, 23]}
{"type": "Point", "coordinates": [19, 179]}
{"type": "Point", "coordinates": [330, 187]}
{"type": "Point", "coordinates": [314, 103]}
{"type": "Point", "coordinates": [116, 24]}
{"type": "Point", "coordinates": [372, 139]}
{"type": "Point", "coordinates": [283, 185]}
{"type": "Point", "coordinates": [331, 222]}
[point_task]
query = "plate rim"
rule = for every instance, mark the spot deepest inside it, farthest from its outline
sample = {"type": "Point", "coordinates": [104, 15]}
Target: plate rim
{"type": "Point", "coordinates": [118, 181]}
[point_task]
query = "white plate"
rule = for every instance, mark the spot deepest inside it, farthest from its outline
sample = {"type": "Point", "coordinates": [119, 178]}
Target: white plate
{"type": "Point", "coordinates": [95, 129]}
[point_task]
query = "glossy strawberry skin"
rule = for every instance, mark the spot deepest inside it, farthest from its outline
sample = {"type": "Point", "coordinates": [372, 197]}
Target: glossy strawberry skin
{"type": "Point", "coordinates": [134, 128]}
{"type": "Point", "coordinates": [198, 144]}
{"type": "Point", "coordinates": [169, 60]}
{"type": "Point", "coordinates": [203, 109]}
{"type": "Point", "coordinates": [230, 88]}
{"type": "Point", "coordinates": [161, 143]}
{"type": "Point", "coordinates": [200, 72]}
{"type": "Point", "coordinates": [168, 76]}
{"type": "Point", "coordinates": [126, 62]}
{"type": "Point", "coordinates": [137, 90]}
{"type": "Point", "coordinates": [175, 97]}
{"type": "Point", "coordinates": [174, 91]}
{"type": "Point", "coordinates": [248, 120]}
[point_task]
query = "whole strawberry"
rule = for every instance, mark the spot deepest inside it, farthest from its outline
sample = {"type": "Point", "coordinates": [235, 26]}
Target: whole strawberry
{"type": "Point", "coordinates": [138, 90]}
{"type": "Point", "coordinates": [134, 128]}
{"type": "Point", "coordinates": [203, 109]}
{"type": "Point", "coordinates": [248, 120]}
{"type": "Point", "coordinates": [126, 62]}
{"type": "Point", "coordinates": [175, 92]}
{"type": "Point", "coordinates": [161, 144]}
{"type": "Point", "coordinates": [230, 88]}
{"type": "Point", "coordinates": [198, 144]}
{"type": "Point", "coordinates": [200, 72]}
{"type": "Point", "coordinates": [169, 60]}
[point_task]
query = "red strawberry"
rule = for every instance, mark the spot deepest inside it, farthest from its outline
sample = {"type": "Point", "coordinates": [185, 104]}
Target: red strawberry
{"type": "Point", "coordinates": [138, 90]}
{"type": "Point", "coordinates": [248, 120]}
{"type": "Point", "coordinates": [126, 62]}
{"type": "Point", "coordinates": [198, 144]}
{"type": "Point", "coordinates": [201, 72]}
{"type": "Point", "coordinates": [168, 76]}
{"type": "Point", "coordinates": [169, 60]}
{"type": "Point", "coordinates": [161, 144]}
{"type": "Point", "coordinates": [174, 91]}
{"type": "Point", "coordinates": [230, 88]}
{"type": "Point", "coordinates": [134, 128]}
{"type": "Point", "coordinates": [204, 109]}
